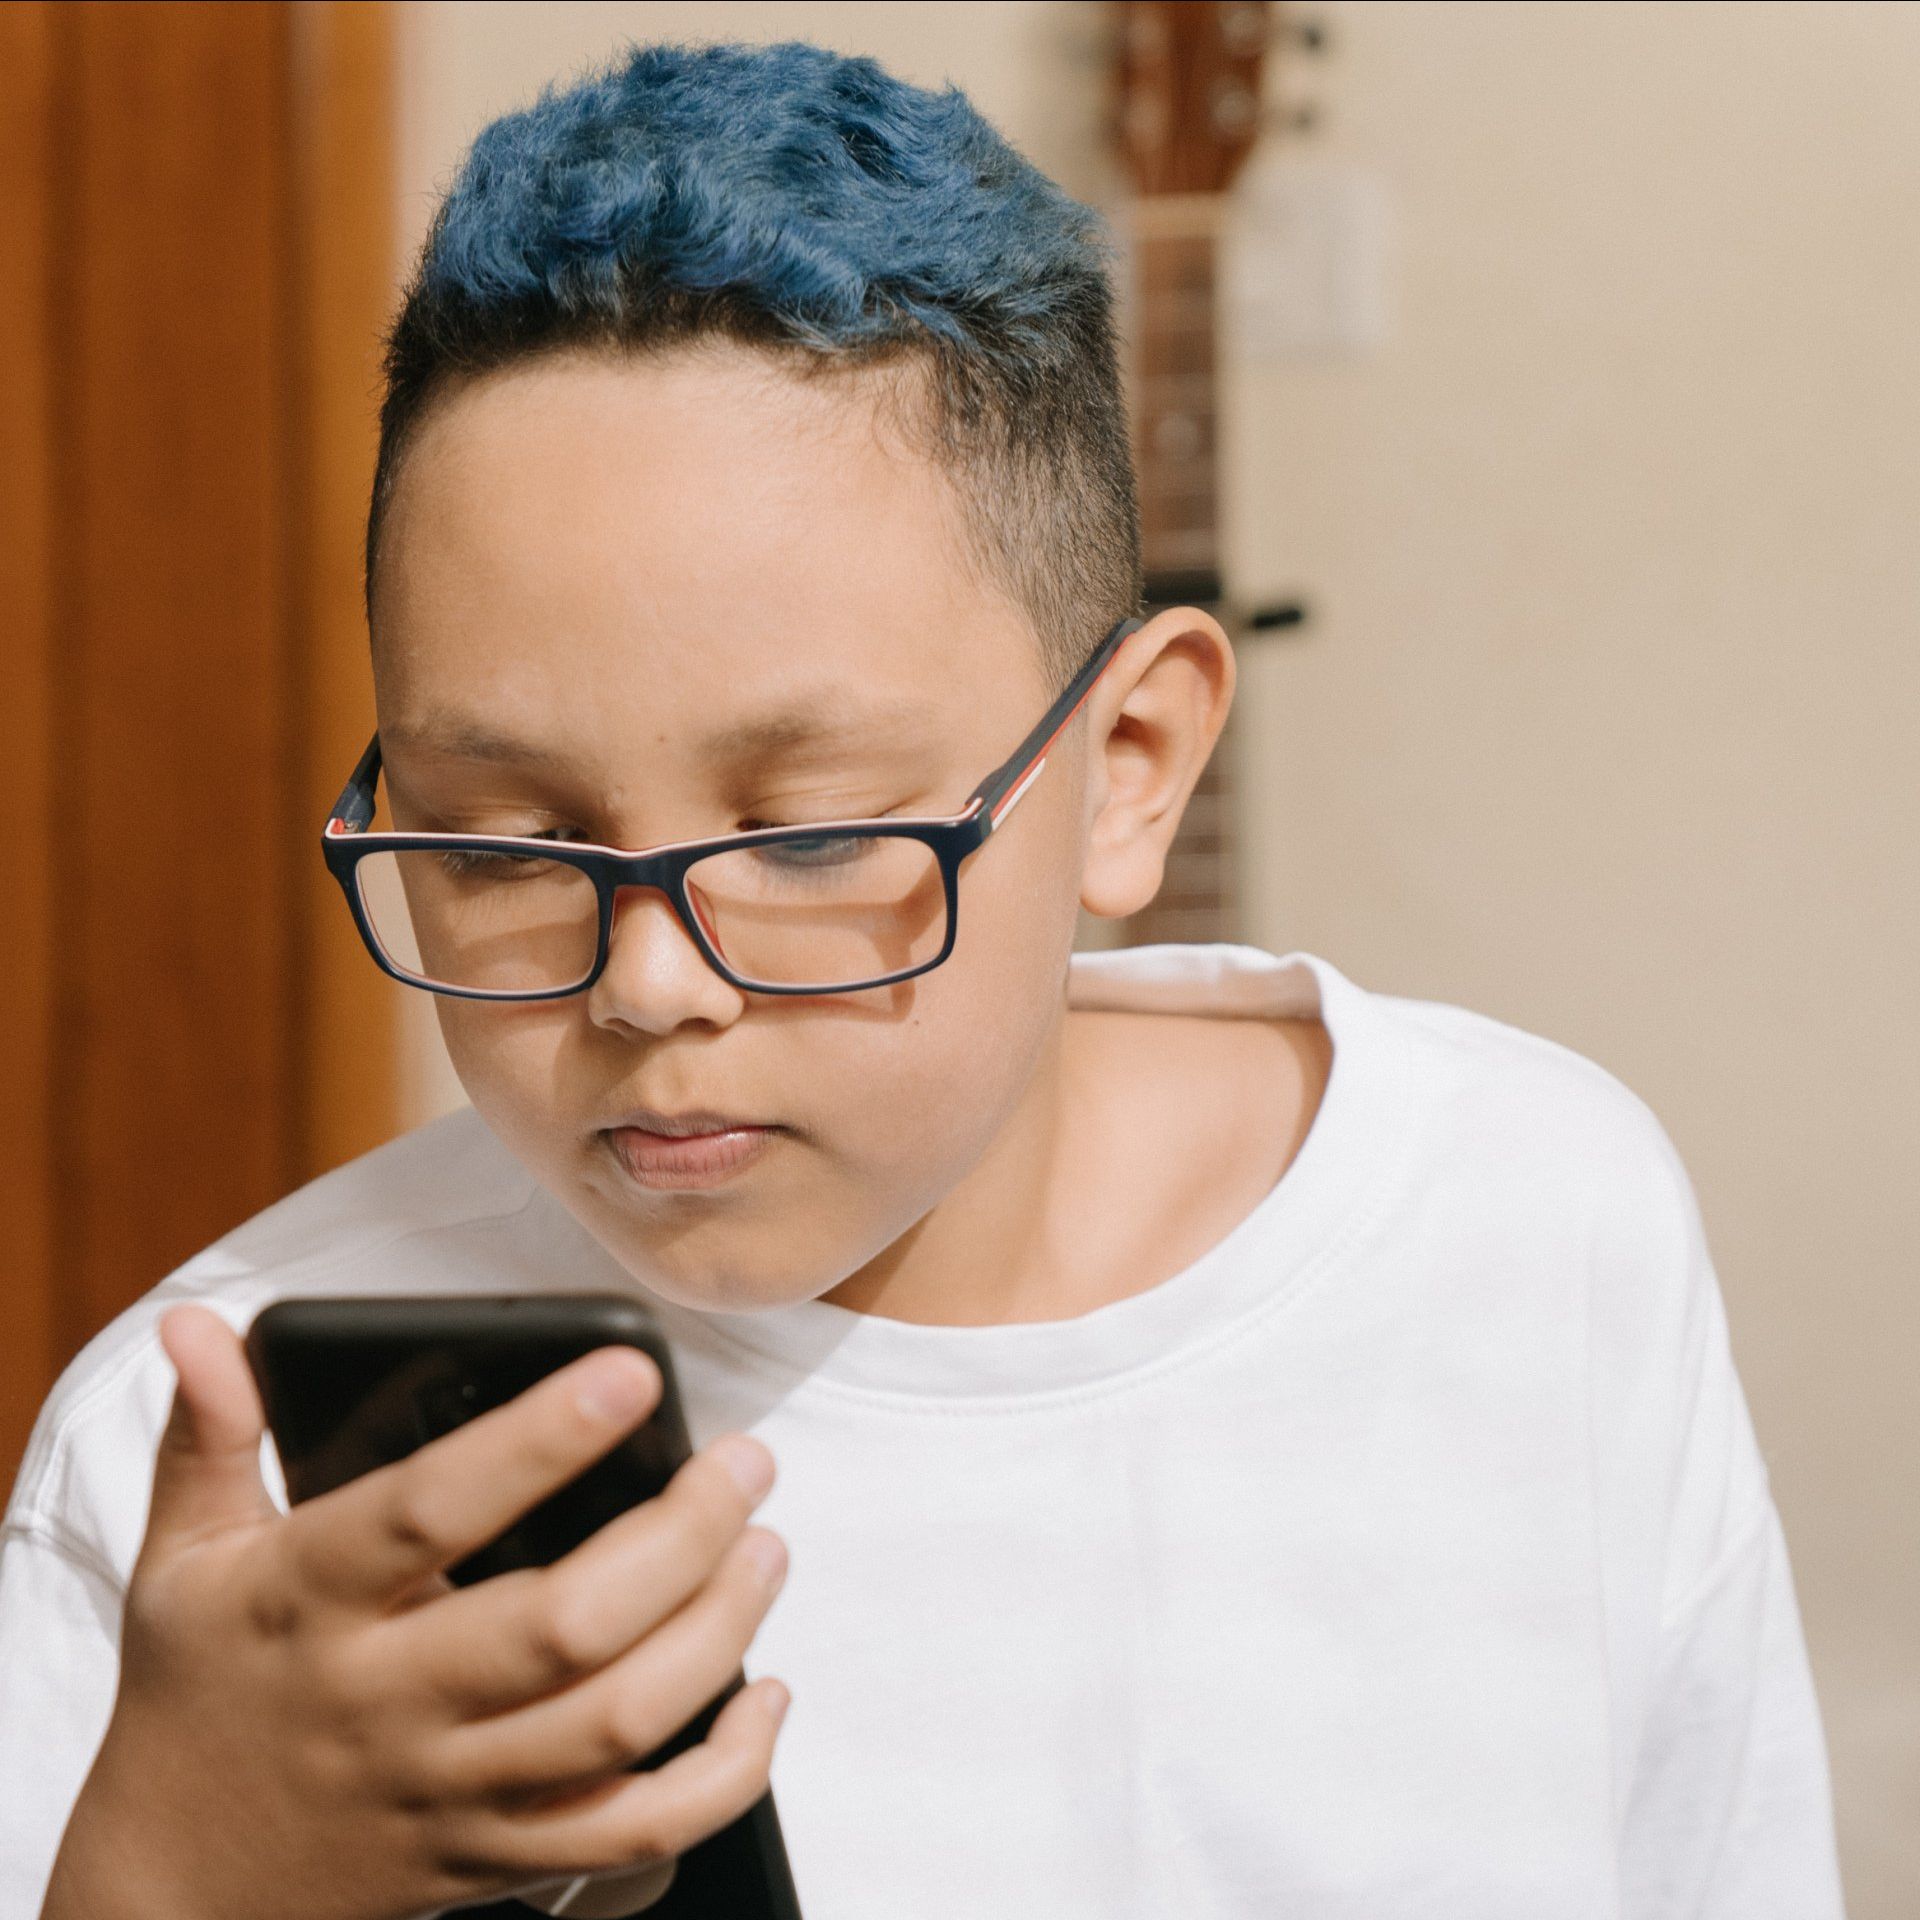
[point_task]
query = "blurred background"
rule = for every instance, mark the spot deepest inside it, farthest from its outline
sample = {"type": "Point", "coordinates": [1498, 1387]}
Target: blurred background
{"type": "Point", "coordinates": [1537, 382]}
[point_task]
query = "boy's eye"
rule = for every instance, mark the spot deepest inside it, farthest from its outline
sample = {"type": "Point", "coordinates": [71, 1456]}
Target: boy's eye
{"type": "Point", "coordinates": [823, 850]}
{"type": "Point", "coordinates": [483, 862]}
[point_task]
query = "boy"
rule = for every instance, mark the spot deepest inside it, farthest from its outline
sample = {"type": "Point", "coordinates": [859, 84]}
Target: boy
{"type": "Point", "coordinates": [1247, 1445]}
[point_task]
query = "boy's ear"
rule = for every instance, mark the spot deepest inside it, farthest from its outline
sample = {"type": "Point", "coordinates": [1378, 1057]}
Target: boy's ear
{"type": "Point", "coordinates": [1150, 732]}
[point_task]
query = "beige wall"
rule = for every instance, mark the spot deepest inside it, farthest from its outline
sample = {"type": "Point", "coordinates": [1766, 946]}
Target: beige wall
{"type": "Point", "coordinates": [1606, 725]}
{"type": "Point", "coordinates": [1610, 727]}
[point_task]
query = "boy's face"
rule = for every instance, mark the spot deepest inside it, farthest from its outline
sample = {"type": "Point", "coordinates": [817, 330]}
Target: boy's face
{"type": "Point", "coordinates": [635, 601]}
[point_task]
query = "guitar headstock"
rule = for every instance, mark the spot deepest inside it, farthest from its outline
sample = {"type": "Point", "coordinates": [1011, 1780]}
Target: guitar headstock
{"type": "Point", "coordinates": [1187, 90]}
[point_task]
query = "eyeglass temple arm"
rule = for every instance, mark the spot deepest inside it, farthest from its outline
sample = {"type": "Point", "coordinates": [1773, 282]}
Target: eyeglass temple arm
{"type": "Point", "coordinates": [1000, 791]}
{"type": "Point", "coordinates": [353, 811]}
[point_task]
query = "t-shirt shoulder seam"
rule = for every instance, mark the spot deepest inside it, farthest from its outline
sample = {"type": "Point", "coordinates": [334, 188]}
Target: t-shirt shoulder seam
{"type": "Point", "coordinates": [1441, 1019]}
{"type": "Point", "coordinates": [1440, 1016]}
{"type": "Point", "coordinates": [322, 1256]}
{"type": "Point", "coordinates": [34, 1528]}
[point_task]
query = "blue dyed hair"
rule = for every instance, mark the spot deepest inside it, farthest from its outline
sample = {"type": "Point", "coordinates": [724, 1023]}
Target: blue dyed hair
{"type": "Point", "coordinates": [812, 206]}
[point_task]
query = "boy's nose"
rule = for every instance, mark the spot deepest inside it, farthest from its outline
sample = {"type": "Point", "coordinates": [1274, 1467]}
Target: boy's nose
{"type": "Point", "coordinates": [656, 977]}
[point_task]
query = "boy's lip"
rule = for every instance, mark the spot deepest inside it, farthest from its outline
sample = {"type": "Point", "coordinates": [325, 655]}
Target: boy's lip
{"type": "Point", "coordinates": [681, 1126]}
{"type": "Point", "coordinates": [706, 1151]}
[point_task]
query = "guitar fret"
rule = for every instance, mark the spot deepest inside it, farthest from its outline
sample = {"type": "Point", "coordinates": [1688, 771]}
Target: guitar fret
{"type": "Point", "coordinates": [1175, 356]}
{"type": "Point", "coordinates": [1184, 310]}
{"type": "Point", "coordinates": [1180, 506]}
{"type": "Point", "coordinates": [1191, 392]}
{"type": "Point", "coordinates": [1172, 509]}
{"type": "Point", "coordinates": [1174, 435]}
{"type": "Point", "coordinates": [1183, 550]}
{"type": "Point", "coordinates": [1204, 821]}
{"type": "Point", "coordinates": [1173, 219]}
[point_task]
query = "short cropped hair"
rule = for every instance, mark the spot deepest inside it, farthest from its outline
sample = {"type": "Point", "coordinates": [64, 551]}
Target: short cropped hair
{"type": "Point", "coordinates": [810, 205]}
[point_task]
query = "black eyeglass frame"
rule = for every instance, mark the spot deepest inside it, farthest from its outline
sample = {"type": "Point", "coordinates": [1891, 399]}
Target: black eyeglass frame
{"type": "Point", "coordinates": [347, 840]}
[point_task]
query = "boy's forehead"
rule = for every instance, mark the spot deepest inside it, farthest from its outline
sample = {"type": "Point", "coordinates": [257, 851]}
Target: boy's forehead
{"type": "Point", "coordinates": [694, 469]}
{"type": "Point", "coordinates": [595, 539]}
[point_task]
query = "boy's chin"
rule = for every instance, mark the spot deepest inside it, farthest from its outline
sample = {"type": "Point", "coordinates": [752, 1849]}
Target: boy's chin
{"type": "Point", "coordinates": [723, 1293]}
{"type": "Point", "coordinates": [711, 1272]}
{"type": "Point", "coordinates": [750, 1253]}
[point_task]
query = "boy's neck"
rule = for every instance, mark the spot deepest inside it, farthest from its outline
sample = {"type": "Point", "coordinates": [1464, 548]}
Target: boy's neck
{"type": "Point", "coordinates": [1142, 1141]}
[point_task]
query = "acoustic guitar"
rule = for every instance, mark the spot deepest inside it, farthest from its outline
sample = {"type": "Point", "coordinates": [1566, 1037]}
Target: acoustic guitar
{"type": "Point", "coordinates": [1187, 108]}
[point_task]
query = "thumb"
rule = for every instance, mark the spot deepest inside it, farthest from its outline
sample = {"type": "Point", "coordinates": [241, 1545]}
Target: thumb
{"type": "Point", "coordinates": [206, 1472]}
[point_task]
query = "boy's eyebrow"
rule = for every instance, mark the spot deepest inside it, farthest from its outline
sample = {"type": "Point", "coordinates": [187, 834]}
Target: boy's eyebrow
{"type": "Point", "coordinates": [464, 740]}
{"type": "Point", "coordinates": [813, 725]}
{"type": "Point", "coordinates": [810, 724]}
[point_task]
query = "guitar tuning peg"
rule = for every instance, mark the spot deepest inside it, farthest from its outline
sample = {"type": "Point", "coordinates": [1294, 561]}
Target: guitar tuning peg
{"type": "Point", "coordinates": [1235, 110]}
{"type": "Point", "coordinates": [1249, 28]}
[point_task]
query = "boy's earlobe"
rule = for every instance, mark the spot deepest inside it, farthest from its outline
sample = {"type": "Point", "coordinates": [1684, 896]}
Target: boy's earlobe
{"type": "Point", "coordinates": [1151, 756]}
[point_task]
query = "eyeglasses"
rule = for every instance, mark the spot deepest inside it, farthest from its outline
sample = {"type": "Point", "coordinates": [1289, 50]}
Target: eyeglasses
{"type": "Point", "coordinates": [827, 907]}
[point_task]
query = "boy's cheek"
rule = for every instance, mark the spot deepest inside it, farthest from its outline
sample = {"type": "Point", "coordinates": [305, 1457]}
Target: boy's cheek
{"type": "Point", "coordinates": [505, 1057]}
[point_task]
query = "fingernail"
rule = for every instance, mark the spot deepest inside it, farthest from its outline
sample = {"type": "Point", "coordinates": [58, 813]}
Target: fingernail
{"type": "Point", "coordinates": [777, 1700]}
{"type": "Point", "coordinates": [612, 1386]}
{"type": "Point", "coordinates": [768, 1552]}
{"type": "Point", "coordinates": [750, 1464]}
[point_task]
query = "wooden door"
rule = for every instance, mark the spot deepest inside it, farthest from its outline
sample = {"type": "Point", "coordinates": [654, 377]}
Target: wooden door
{"type": "Point", "coordinates": [195, 260]}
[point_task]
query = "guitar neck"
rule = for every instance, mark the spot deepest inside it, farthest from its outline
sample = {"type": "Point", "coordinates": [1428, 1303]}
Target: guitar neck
{"type": "Point", "coordinates": [1175, 413]}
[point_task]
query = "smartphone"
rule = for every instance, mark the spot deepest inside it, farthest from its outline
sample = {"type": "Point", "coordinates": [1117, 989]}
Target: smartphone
{"type": "Point", "coordinates": [352, 1382]}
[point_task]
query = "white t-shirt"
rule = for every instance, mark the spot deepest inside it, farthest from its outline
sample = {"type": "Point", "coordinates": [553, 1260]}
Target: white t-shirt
{"type": "Point", "coordinates": [1408, 1556]}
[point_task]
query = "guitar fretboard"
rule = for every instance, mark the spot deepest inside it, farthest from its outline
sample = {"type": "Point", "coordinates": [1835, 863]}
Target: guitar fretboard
{"type": "Point", "coordinates": [1176, 454]}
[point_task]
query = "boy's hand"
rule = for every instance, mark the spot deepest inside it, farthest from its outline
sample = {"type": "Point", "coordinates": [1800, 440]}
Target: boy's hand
{"type": "Point", "coordinates": [313, 1722]}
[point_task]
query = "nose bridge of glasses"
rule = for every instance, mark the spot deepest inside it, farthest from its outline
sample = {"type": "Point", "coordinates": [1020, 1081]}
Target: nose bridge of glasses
{"type": "Point", "coordinates": [669, 901]}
